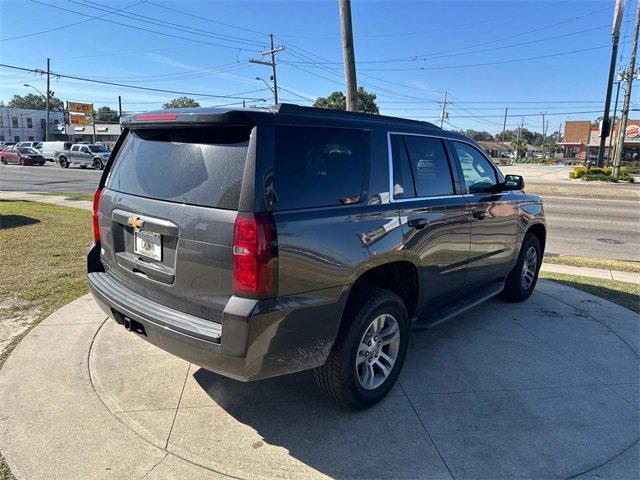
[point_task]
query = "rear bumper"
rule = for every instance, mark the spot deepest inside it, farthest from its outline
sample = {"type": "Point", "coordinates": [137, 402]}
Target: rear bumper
{"type": "Point", "coordinates": [256, 339]}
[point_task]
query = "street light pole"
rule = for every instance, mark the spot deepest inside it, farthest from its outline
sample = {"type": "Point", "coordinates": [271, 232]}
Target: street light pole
{"type": "Point", "coordinates": [615, 38]}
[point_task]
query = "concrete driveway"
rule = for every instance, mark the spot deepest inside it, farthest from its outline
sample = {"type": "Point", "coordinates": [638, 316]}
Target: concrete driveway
{"type": "Point", "coordinates": [544, 389]}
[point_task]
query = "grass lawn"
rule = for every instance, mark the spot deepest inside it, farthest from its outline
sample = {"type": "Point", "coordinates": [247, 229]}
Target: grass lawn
{"type": "Point", "coordinates": [624, 294]}
{"type": "Point", "coordinates": [42, 259]}
{"type": "Point", "coordinates": [619, 265]}
{"type": "Point", "coordinates": [69, 196]}
{"type": "Point", "coordinates": [42, 265]}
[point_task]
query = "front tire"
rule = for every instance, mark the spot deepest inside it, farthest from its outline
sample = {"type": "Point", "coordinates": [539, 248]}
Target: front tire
{"type": "Point", "coordinates": [523, 278]}
{"type": "Point", "coordinates": [3, 161]}
{"type": "Point", "coordinates": [97, 164]}
{"type": "Point", "coordinates": [63, 162]}
{"type": "Point", "coordinates": [369, 351]}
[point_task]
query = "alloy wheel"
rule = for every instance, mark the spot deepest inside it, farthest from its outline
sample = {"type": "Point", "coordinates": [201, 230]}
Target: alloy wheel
{"type": "Point", "coordinates": [378, 351]}
{"type": "Point", "coordinates": [529, 267]}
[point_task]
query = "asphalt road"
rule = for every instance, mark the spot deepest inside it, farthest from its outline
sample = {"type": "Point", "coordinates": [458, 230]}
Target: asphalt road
{"type": "Point", "coordinates": [588, 227]}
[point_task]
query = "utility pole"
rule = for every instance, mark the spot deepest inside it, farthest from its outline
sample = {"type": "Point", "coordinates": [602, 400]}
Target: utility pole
{"type": "Point", "coordinates": [46, 123]}
{"type": "Point", "coordinates": [615, 38]}
{"type": "Point", "coordinates": [544, 132]}
{"type": "Point", "coordinates": [120, 111]}
{"type": "Point", "coordinates": [272, 63]}
{"type": "Point", "coordinates": [93, 123]}
{"type": "Point", "coordinates": [443, 114]}
{"type": "Point", "coordinates": [613, 122]}
{"type": "Point", "coordinates": [627, 98]}
{"type": "Point", "coordinates": [504, 124]}
{"type": "Point", "coordinates": [348, 55]}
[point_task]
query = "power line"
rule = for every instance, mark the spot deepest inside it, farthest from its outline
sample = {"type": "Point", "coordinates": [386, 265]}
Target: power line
{"type": "Point", "coordinates": [49, 30]}
{"type": "Point", "coordinates": [404, 34]}
{"type": "Point", "coordinates": [199, 17]}
{"type": "Point", "coordinates": [123, 85]}
{"type": "Point", "coordinates": [450, 53]}
{"type": "Point", "coordinates": [501, 62]}
{"type": "Point", "coordinates": [164, 23]}
{"type": "Point", "coordinates": [135, 27]}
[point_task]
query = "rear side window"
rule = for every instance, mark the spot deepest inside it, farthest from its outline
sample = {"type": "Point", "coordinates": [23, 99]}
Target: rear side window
{"type": "Point", "coordinates": [430, 166]}
{"type": "Point", "coordinates": [477, 170]}
{"type": "Point", "coordinates": [316, 167]}
{"type": "Point", "coordinates": [198, 166]}
{"type": "Point", "coordinates": [403, 186]}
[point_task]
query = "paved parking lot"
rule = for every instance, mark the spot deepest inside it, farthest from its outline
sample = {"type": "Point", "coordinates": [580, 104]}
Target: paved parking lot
{"type": "Point", "coordinates": [544, 389]}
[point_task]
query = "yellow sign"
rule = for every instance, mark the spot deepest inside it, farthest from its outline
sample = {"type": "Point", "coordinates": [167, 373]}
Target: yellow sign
{"type": "Point", "coordinates": [79, 119]}
{"type": "Point", "coordinates": [86, 108]}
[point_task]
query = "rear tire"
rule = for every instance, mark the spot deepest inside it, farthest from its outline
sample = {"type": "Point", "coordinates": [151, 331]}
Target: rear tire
{"type": "Point", "coordinates": [369, 351]}
{"type": "Point", "coordinates": [97, 164]}
{"type": "Point", "coordinates": [3, 161]}
{"type": "Point", "coordinates": [523, 277]}
{"type": "Point", "coordinates": [63, 162]}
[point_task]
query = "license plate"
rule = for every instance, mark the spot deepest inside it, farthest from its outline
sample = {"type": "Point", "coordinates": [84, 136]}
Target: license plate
{"type": "Point", "coordinates": [148, 244]}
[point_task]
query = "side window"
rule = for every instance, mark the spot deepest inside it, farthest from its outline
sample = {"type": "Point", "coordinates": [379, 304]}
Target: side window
{"type": "Point", "coordinates": [403, 186]}
{"type": "Point", "coordinates": [430, 166]}
{"type": "Point", "coordinates": [315, 167]}
{"type": "Point", "coordinates": [85, 150]}
{"type": "Point", "coordinates": [479, 174]}
{"type": "Point", "coordinates": [74, 148]}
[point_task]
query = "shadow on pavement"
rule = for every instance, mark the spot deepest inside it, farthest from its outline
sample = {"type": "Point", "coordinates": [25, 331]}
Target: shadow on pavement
{"type": "Point", "coordinates": [289, 412]}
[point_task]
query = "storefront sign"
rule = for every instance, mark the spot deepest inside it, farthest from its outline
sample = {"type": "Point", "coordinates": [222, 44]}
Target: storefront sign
{"type": "Point", "coordinates": [632, 133]}
{"type": "Point", "coordinates": [86, 108]}
{"type": "Point", "coordinates": [79, 119]}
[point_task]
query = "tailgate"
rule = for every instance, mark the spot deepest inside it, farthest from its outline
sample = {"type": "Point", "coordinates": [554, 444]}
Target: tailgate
{"type": "Point", "coordinates": [167, 214]}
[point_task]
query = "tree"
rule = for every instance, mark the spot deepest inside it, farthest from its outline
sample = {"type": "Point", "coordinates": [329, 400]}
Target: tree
{"type": "Point", "coordinates": [366, 101]}
{"type": "Point", "coordinates": [479, 135]}
{"type": "Point", "coordinates": [181, 102]}
{"type": "Point", "coordinates": [519, 147]}
{"type": "Point", "coordinates": [35, 102]}
{"type": "Point", "coordinates": [107, 115]}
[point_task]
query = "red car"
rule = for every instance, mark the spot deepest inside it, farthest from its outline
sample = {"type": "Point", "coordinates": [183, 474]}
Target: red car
{"type": "Point", "coordinates": [21, 155]}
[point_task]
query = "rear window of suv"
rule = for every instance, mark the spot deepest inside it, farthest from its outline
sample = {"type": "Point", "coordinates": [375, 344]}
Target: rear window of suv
{"type": "Point", "coordinates": [197, 166]}
{"type": "Point", "coordinates": [318, 167]}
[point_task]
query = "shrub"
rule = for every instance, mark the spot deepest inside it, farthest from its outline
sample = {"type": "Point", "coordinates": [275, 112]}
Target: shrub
{"type": "Point", "coordinates": [598, 177]}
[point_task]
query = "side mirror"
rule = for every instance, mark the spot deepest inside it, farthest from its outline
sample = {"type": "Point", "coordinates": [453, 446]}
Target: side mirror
{"type": "Point", "coordinates": [513, 182]}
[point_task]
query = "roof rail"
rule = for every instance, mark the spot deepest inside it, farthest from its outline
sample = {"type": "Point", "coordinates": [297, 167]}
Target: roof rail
{"type": "Point", "coordinates": [302, 110]}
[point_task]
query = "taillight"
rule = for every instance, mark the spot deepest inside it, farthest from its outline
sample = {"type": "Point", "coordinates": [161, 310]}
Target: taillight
{"type": "Point", "coordinates": [96, 220]}
{"type": "Point", "coordinates": [254, 256]}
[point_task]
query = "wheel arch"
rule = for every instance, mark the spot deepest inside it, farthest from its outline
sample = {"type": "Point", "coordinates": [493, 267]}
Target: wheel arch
{"type": "Point", "coordinates": [540, 232]}
{"type": "Point", "coordinates": [397, 276]}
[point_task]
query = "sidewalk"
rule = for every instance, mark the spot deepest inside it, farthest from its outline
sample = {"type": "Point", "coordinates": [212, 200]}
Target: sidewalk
{"type": "Point", "coordinates": [52, 199]}
{"type": "Point", "coordinates": [503, 390]}
{"type": "Point", "coordinates": [628, 277]}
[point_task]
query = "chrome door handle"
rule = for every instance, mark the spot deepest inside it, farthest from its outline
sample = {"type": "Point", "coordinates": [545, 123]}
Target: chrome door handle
{"type": "Point", "coordinates": [418, 223]}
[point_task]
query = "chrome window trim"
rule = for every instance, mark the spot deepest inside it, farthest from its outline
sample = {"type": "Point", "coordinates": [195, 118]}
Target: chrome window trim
{"type": "Point", "coordinates": [392, 198]}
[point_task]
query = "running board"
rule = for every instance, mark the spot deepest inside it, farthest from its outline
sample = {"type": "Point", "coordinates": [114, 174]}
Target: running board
{"type": "Point", "coordinates": [428, 321]}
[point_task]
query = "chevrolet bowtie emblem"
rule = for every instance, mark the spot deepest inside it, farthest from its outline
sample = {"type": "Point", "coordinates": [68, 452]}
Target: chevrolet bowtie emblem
{"type": "Point", "coordinates": [135, 222]}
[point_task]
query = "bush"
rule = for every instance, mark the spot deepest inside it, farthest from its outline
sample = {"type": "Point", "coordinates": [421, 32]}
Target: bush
{"type": "Point", "coordinates": [598, 177]}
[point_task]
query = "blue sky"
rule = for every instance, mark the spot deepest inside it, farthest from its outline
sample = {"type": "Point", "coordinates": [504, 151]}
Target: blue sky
{"type": "Point", "coordinates": [409, 53]}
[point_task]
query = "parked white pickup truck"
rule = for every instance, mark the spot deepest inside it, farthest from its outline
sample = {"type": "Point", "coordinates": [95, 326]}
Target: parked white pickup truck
{"type": "Point", "coordinates": [84, 155]}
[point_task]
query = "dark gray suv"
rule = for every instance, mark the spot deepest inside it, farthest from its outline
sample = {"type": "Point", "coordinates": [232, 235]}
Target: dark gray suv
{"type": "Point", "coordinates": [256, 243]}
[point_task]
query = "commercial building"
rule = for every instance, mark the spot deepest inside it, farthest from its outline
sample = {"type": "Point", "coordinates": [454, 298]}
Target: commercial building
{"type": "Point", "coordinates": [582, 140]}
{"type": "Point", "coordinates": [23, 125]}
{"type": "Point", "coordinates": [106, 133]}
